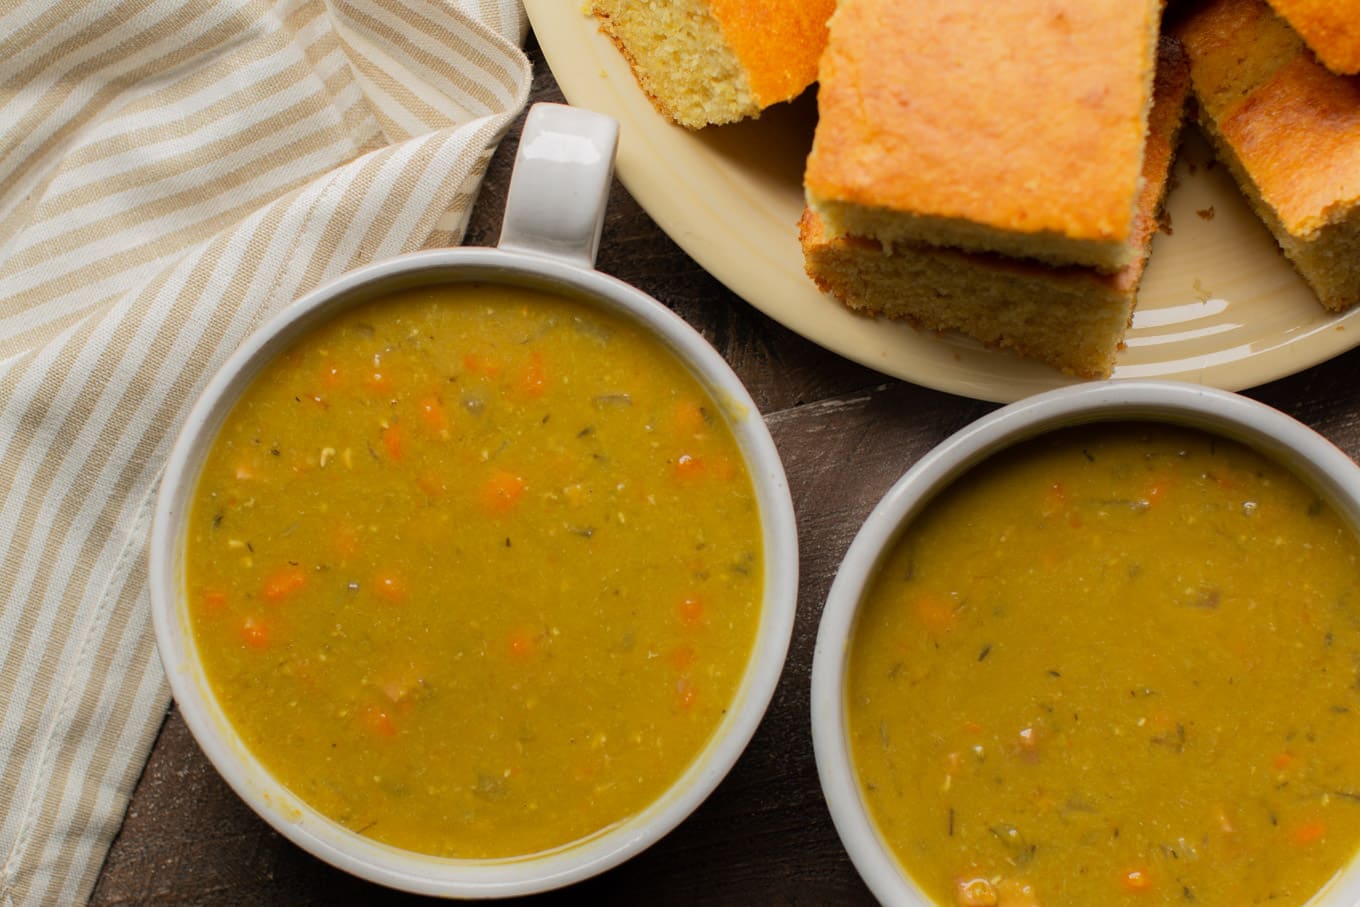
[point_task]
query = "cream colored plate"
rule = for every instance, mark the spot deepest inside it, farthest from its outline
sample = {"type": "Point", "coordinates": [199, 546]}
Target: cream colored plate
{"type": "Point", "coordinates": [1219, 304]}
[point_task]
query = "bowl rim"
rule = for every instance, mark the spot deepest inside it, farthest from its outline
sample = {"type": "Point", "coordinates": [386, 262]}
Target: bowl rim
{"type": "Point", "coordinates": [391, 866]}
{"type": "Point", "coordinates": [1271, 432]}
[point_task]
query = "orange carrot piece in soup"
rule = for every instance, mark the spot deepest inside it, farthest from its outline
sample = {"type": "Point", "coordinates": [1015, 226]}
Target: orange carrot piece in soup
{"type": "Point", "coordinates": [481, 365]}
{"type": "Point", "coordinates": [433, 414]}
{"type": "Point", "coordinates": [534, 379]}
{"type": "Point", "coordinates": [522, 644]}
{"type": "Point", "coordinates": [378, 381]}
{"type": "Point", "coordinates": [1308, 832]}
{"type": "Point", "coordinates": [256, 632]}
{"type": "Point", "coordinates": [1157, 491]}
{"type": "Point", "coordinates": [284, 583]}
{"type": "Point", "coordinates": [688, 466]}
{"type": "Point", "coordinates": [432, 484]}
{"type": "Point", "coordinates": [502, 491]}
{"type": "Point", "coordinates": [390, 588]}
{"type": "Point", "coordinates": [937, 615]}
{"type": "Point", "coordinates": [681, 657]}
{"type": "Point", "coordinates": [213, 600]}
{"type": "Point", "coordinates": [692, 612]}
{"type": "Point", "coordinates": [378, 722]}
{"type": "Point", "coordinates": [394, 441]}
{"type": "Point", "coordinates": [1137, 880]}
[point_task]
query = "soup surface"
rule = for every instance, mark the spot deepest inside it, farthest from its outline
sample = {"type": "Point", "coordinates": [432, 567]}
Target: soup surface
{"type": "Point", "coordinates": [1115, 665]}
{"type": "Point", "coordinates": [475, 570]}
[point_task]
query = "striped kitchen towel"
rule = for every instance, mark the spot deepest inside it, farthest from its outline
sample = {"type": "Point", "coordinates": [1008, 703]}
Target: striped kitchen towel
{"type": "Point", "coordinates": [172, 172]}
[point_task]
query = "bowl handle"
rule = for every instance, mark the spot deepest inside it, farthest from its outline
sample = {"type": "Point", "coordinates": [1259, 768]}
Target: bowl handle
{"type": "Point", "coordinates": [560, 184]}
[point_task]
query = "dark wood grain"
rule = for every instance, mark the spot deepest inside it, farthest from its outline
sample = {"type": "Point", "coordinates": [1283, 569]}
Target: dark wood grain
{"type": "Point", "coordinates": [765, 836]}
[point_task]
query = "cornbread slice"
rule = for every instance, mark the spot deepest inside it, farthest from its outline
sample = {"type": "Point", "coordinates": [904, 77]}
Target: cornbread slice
{"type": "Point", "coordinates": [1006, 127]}
{"type": "Point", "coordinates": [717, 61]}
{"type": "Point", "coordinates": [1072, 318]}
{"type": "Point", "coordinates": [1330, 28]}
{"type": "Point", "coordinates": [1289, 131]}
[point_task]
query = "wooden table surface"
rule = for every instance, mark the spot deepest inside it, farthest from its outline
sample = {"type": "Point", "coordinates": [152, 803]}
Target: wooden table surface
{"type": "Point", "coordinates": [764, 837]}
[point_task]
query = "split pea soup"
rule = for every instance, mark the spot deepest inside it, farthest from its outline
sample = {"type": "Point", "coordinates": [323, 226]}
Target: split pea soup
{"type": "Point", "coordinates": [475, 570]}
{"type": "Point", "coordinates": [1117, 664]}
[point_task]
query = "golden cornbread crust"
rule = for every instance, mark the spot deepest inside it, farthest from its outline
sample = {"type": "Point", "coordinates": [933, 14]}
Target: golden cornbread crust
{"type": "Point", "coordinates": [707, 62]}
{"type": "Point", "coordinates": [1009, 127]}
{"type": "Point", "coordinates": [1330, 28]}
{"type": "Point", "coordinates": [1289, 131]}
{"type": "Point", "coordinates": [1072, 318]}
{"type": "Point", "coordinates": [778, 42]}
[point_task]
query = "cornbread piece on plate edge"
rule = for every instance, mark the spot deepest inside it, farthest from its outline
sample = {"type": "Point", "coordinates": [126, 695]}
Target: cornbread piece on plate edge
{"type": "Point", "coordinates": [1330, 28]}
{"type": "Point", "coordinates": [1005, 127]}
{"type": "Point", "coordinates": [708, 62]}
{"type": "Point", "coordinates": [1072, 318]}
{"type": "Point", "coordinates": [1288, 129]}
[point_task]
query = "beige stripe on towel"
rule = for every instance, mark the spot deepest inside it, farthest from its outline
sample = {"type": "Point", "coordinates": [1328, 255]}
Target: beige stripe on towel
{"type": "Point", "coordinates": [172, 172]}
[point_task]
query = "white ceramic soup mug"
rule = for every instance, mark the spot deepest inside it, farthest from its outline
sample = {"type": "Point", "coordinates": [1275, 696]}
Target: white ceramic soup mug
{"type": "Point", "coordinates": [1312, 458]}
{"type": "Point", "coordinates": [549, 239]}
